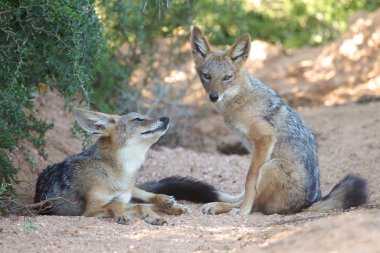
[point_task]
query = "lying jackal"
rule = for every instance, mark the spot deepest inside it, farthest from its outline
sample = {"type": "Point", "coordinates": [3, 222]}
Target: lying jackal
{"type": "Point", "coordinates": [100, 181]}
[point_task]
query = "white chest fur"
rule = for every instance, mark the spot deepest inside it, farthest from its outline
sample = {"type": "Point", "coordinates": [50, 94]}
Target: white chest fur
{"type": "Point", "coordinates": [241, 131]}
{"type": "Point", "coordinates": [130, 158]}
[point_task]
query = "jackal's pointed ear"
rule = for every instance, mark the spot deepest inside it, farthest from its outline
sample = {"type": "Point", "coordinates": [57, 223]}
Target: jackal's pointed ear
{"type": "Point", "coordinates": [94, 122]}
{"type": "Point", "coordinates": [239, 51]}
{"type": "Point", "coordinates": [199, 45]}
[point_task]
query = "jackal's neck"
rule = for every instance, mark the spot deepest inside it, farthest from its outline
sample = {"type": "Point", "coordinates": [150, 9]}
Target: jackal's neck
{"type": "Point", "coordinates": [130, 160]}
{"type": "Point", "coordinates": [123, 160]}
{"type": "Point", "coordinates": [131, 157]}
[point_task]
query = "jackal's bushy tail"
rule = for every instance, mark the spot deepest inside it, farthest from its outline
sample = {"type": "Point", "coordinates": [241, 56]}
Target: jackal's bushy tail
{"type": "Point", "coordinates": [187, 188]}
{"type": "Point", "coordinates": [351, 191]}
{"type": "Point", "coordinates": [183, 188]}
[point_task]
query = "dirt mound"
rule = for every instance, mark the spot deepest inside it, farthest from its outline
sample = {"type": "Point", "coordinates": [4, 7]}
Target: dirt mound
{"type": "Point", "coordinates": [333, 74]}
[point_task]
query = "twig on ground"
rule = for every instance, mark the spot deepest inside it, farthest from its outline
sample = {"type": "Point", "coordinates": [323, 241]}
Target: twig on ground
{"type": "Point", "coordinates": [11, 206]}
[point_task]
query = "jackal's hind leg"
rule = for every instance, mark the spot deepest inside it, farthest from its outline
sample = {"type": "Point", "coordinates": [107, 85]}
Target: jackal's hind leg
{"type": "Point", "coordinates": [280, 188]}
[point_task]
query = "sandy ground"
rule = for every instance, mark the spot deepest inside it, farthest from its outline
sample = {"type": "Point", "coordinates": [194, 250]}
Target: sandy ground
{"type": "Point", "coordinates": [349, 141]}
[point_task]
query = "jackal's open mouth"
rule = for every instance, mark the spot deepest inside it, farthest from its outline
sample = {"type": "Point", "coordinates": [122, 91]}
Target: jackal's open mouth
{"type": "Point", "coordinates": [162, 128]}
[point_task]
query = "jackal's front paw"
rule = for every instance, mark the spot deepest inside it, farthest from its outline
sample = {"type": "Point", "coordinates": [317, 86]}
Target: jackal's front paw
{"type": "Point", "coordinates": [155, 220]}
{"type": "Point", "coordinates": [216, 208]}
{"type": "Point", "coordinates": [209, 208]}
{"type": "Point", "coordinates": [122, 220]}
{"type": "Point", "coordinates": [178, 209]}
{"type": "Point", "coordinates": [234, 212]}
{"type": "Point", "coordinates": [163, 201]}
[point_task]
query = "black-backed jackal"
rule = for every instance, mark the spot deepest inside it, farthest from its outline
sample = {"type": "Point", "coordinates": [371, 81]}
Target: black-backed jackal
{"type": "Point", "coordinates": [284, 175]}
{"type": "Point", "coordinates": [100, 181]}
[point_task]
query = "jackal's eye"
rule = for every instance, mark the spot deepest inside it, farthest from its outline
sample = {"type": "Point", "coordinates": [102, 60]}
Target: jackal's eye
{"type": "Point", "coordinates": [138, 120]}
{"type": "Point", "coordinates": [206, 76]}
{"type": "Point", "coordinates": [227, 77]}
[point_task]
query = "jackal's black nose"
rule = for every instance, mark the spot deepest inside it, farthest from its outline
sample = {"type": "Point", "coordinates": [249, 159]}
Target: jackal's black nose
{"type": "Point", "coordinates": [164, 120]}
{"type": "Point", "coordinates": [213, 97]}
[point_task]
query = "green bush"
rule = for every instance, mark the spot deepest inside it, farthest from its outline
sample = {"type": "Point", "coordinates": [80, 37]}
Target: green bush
{"type": "Point", "coordinates": [294, 23]}
{"type": "Point", "coordinates": [42, 43]}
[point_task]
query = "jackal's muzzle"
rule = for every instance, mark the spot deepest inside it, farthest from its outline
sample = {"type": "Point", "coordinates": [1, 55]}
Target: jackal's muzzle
{"type": "Point", "coordinates": [161, 126]}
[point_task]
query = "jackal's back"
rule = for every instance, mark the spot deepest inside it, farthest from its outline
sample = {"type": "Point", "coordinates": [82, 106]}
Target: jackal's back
{"type": "Point", "coordinates": [63, 180]}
